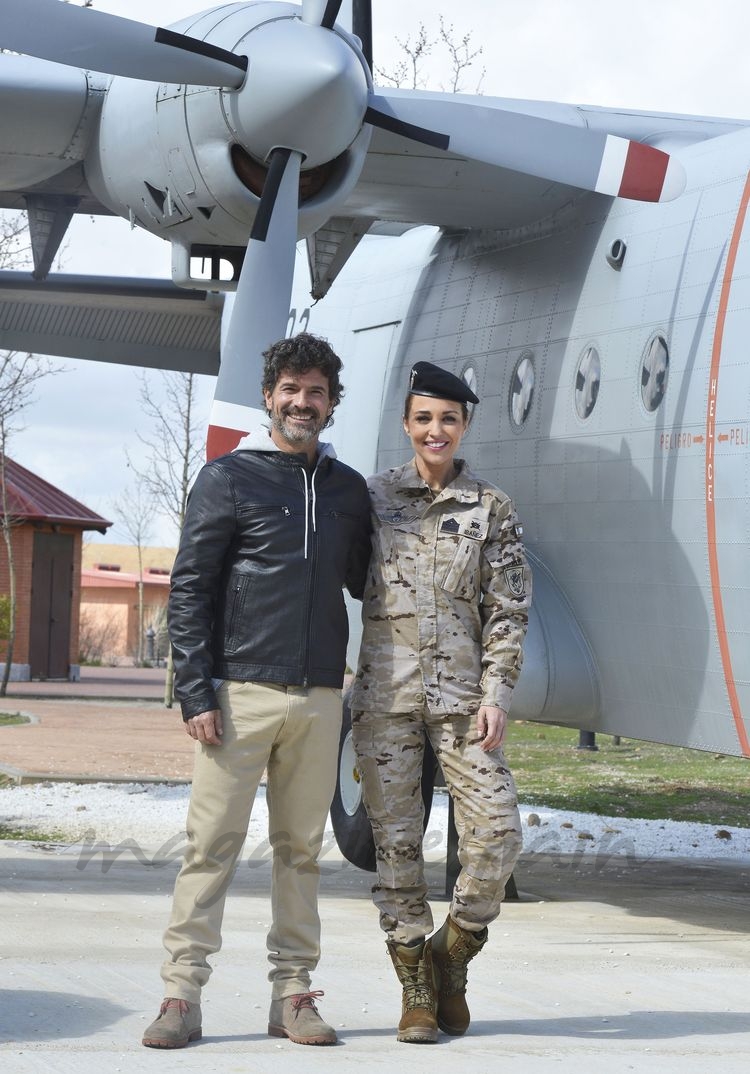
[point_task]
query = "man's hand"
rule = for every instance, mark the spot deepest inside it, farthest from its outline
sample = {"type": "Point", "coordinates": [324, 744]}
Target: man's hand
{"type": "Point", "coordinates": [491, 723]}
{"type": "Point", "coordinates": [206, 727]}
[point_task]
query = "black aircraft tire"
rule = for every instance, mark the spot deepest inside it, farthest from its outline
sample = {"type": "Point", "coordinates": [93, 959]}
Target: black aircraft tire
{"type": "Point", "coordinates": [351, 825]}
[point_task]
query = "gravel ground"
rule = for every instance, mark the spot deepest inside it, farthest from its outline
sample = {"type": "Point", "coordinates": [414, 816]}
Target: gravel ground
{"type": "Point", "coordinates": [152, 816]}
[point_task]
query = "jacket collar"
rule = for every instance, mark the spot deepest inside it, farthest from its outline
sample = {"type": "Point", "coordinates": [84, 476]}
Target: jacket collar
{"type": "Point", "coordinates": [260, 440]}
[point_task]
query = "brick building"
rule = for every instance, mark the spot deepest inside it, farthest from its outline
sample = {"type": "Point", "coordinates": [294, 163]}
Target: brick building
{"type": "Point", "coordinates": [109, 602]}
{"type": "Point", "coordinates": [47, 528]}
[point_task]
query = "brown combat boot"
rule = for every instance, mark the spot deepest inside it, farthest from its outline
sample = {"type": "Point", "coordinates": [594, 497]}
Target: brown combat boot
{"type": "Point", "coordinates": [414, 970]}
{"type": "Point", "coordinates": [177, 1025]}
{"type": "Point", "coordinates": [453, 948]}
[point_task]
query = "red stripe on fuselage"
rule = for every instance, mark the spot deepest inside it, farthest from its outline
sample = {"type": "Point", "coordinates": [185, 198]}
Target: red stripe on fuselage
{"type": "Point", "coordinates": [713, 391]}
{"type": "Point", "coordinates": [220, 441]}
{"type": "Point", "coordinates": [644, 173]}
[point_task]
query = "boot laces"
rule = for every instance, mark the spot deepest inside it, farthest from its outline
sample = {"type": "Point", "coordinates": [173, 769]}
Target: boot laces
{"type": "Point", "coordinates": [453, 977]}
{"type": "Point", "coordinates": [454, 967]}
{"type": "Point", "coordinates": [418, 990]}
{"type": "Point", "coordinates": [305, 1000]}
{"type": "Point", "coordinates": [417, 994]}
{"type": "Point", "coordinates": [180, 1004]}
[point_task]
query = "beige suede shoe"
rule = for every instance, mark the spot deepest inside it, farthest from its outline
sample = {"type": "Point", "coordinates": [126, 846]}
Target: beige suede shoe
{"type": "Point", "coordinates": [297, 1018]}
{"type": "Point", "coordinates": [178, 1024]}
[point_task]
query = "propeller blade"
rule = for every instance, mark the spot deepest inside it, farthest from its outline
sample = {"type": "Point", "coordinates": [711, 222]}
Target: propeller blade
{"type": "Point", "coordinates": [95, 41]}
{"type": "Point", "coordinates": [577, 156]}
{"type": "Point", "coordinates": [321, 12]}
{"type": "Point", "coordinates": [362, 27]}
{"type": "Point", "coordinates": [261, 306]}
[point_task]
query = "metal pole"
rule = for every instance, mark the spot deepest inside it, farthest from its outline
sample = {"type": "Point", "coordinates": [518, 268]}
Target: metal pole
{"type": "Point", "coordinates": [452, 864]}
{"type": "Point", "coordinates": [587, 740]}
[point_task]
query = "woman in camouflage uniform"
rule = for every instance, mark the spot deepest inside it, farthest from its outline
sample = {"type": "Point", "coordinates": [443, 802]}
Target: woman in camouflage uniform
{"type": "Point", "coordinates": [445, 613]}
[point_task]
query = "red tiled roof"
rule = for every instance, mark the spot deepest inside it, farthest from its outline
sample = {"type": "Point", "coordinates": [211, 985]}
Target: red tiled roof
{"type": "Point", "coordinates": [35, 500]}
{"type": "Point", "coordinates": [94, 579]}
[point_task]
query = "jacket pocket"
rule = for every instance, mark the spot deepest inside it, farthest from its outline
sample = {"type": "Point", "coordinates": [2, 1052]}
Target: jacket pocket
{"type": "Point", "coordinates": [459, 554]}
{"type": "Point", "coordinates": [234, 616]}
{"type": "Point", "coordinates": [393, 528]}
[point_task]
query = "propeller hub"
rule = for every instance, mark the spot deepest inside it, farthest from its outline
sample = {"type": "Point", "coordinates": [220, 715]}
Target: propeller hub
{"type": "Point", "coordinates": [306, 90]}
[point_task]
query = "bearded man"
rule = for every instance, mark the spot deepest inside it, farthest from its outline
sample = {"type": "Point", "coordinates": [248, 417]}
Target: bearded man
{"type": "Point", "coordinates": [273, 532]}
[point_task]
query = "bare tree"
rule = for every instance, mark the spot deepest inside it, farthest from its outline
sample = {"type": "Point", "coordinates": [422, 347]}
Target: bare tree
{"type": "Point", "coordinates": [462, 57]}
{"type": "Point", "coordinates": [409, 70]}
{"type": "Point", "coordinates": [175, 444]}
{"type": "Point", "coordinates": [135, 510]}
{"type": "Point", "coordinates": [98, 636]}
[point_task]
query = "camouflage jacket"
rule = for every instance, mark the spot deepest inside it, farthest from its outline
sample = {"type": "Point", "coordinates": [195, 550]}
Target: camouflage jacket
{"type": "Point", "coordinates": [446, 601]}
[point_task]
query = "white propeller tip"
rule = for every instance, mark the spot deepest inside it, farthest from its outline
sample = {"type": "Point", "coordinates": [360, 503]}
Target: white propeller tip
{"type": "Point", "coordinates": [675, 180]}
{"type": "Point", "coordinates": [639, 172]}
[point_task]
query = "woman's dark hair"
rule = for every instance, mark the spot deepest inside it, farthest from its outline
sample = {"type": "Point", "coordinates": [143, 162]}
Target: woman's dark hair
{"type": "Point", "coordinates": [300, 354]}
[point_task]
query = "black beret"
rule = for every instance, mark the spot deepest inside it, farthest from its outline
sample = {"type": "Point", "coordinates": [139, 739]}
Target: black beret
{"type": "Point", "coordinates": [429, 379]}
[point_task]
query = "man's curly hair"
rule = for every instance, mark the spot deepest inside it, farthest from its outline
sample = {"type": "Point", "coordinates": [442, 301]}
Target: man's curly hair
{"type": "Point", "coordinates": [300, 354]}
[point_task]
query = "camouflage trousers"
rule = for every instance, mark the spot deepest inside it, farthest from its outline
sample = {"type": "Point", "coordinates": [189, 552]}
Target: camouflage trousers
{"type": "Point", "coordinates": [390, 750]}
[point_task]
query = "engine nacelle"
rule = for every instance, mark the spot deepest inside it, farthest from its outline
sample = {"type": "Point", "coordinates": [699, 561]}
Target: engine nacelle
{"type": "Point", "coordinates": [200, 169]}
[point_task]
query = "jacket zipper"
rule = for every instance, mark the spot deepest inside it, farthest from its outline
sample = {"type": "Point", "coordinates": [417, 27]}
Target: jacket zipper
{"type": "Point", "coordinates": [312, 561]}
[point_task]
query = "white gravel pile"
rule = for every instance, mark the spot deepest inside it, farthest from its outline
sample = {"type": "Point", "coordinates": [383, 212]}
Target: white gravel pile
{"type": "Point", "coordinates": [152, 817]}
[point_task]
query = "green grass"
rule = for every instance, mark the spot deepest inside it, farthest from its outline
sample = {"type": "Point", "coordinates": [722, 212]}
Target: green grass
{"type": "Point", "coordinates": [7, 718]}
{"type": "Point", "coordinates": [633, 779]}
{"type": "Point", "coordinates": [31, 835]}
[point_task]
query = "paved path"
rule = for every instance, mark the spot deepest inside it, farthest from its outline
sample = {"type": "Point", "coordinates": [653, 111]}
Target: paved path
{"type": "Point", "coordinates": [639, 969]}
{"type": "Point", "coordinates": [113, 725]}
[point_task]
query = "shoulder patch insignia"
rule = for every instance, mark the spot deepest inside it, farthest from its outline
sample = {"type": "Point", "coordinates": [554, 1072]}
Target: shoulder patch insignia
{"type": "Point", "coordinates": [515, 579]}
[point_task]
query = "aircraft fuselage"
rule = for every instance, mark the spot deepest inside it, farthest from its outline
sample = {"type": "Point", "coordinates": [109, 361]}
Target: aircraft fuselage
{"type": "Point", "coordinates": [615, 412]}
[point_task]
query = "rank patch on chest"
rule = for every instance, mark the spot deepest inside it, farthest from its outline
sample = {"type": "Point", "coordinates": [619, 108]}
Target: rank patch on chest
{"type": "Point", "coordinates": [515, 579]}
{"type": "Point", "coordinates": [450, 526]}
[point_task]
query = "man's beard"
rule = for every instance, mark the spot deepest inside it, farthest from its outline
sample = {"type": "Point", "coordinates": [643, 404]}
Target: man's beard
{"type": "Point", "coordinates": [295, 434]}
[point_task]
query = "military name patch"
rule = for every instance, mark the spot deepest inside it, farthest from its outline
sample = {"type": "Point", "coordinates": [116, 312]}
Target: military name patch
{"type": "Point", "coordinates": [475, 528]}
{"type": "Point", "coordinates": [515, 579]}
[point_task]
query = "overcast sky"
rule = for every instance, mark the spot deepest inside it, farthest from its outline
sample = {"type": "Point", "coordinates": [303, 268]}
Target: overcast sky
{"type": "Point", "coordinates": [661, 55]}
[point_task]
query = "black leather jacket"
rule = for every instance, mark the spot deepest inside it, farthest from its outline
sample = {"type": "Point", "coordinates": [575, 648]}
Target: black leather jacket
{"type": "Point", "coordinates": [257, 583]}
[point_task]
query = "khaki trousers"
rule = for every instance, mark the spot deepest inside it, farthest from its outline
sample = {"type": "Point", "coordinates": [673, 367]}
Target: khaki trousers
{"type": "Point", "coordinates": [293, 733]}
{"type": "Point", "coordinates": [390, 749]}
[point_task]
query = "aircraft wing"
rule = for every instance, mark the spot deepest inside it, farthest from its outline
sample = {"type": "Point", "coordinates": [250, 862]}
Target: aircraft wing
{"type": "Point", "coordinates": [149, 323]}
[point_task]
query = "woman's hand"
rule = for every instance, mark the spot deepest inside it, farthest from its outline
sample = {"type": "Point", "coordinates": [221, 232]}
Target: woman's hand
{"type": "Point", "coordinates": [491, 723]}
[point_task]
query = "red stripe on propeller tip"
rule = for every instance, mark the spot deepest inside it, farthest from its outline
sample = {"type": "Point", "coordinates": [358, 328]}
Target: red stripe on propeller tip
{"type": "Point", "coordinates": [221, 441]}
{"type": "Point", "coordinates": [644, 173]}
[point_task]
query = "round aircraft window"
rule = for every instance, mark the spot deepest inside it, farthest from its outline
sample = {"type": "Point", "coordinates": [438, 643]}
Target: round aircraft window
{"type": "Point", "coordinates": [522, 390]}
{"type": "Point", "coordinates": [654, 372]}
{"type": "Point", "coordinates": [588, 378]}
